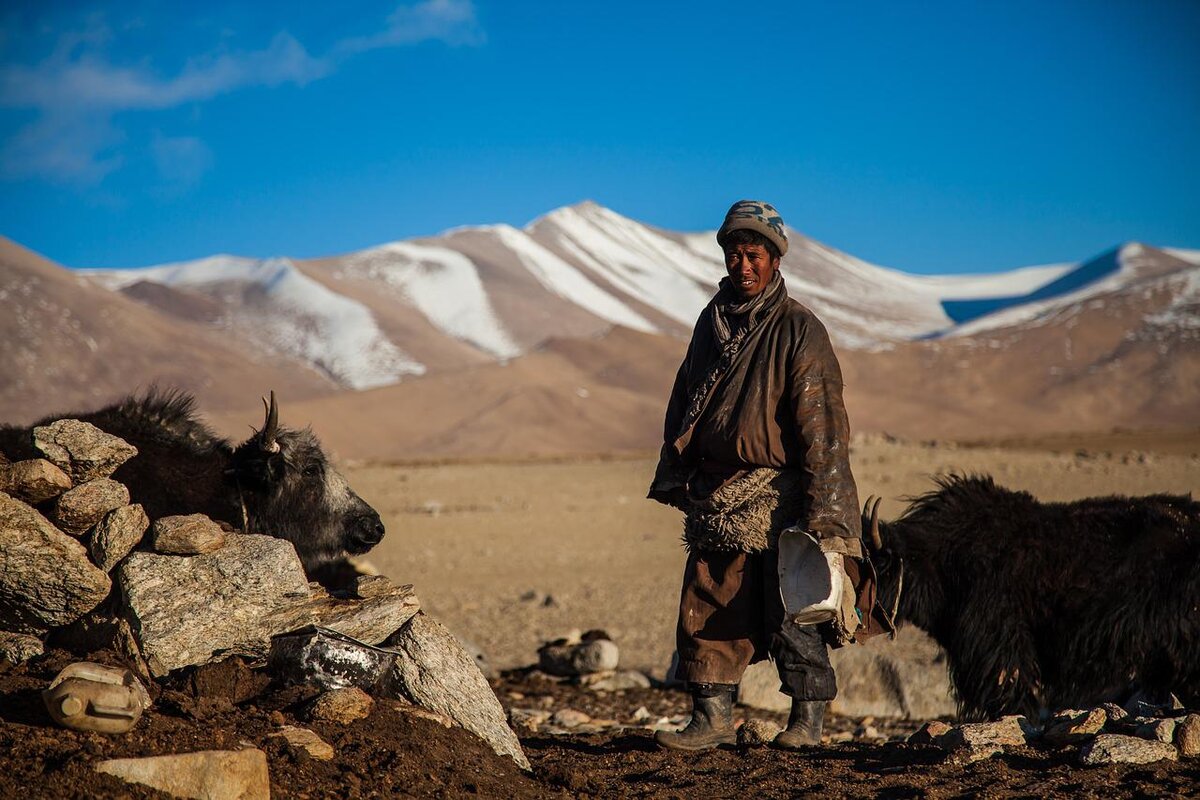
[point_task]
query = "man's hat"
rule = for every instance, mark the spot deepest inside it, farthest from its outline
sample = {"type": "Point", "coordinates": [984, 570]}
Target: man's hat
{"type": "Point", "coordinates": [755, 215]}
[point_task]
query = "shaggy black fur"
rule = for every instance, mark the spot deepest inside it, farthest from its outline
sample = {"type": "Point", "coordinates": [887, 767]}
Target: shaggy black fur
{"type": "Point", "coordinates": [182, 467]}
{"type": "Point", "coordinates": [1049, 605]}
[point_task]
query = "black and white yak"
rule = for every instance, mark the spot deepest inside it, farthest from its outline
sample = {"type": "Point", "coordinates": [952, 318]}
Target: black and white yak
{"type": "Point", "coordinates": [277, 482]}
{"type": "Point", "coordinates": [1046, 605]}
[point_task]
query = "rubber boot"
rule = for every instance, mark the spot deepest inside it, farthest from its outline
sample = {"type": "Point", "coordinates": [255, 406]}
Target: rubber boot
{"type": "Point", "coordinates": [804, 725]}
{"type": "Point", "coordinates": [711, 723]}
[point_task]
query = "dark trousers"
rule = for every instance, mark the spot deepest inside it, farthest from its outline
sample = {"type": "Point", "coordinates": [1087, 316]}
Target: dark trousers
{"type": "Point", "coordinates": [731, 615]}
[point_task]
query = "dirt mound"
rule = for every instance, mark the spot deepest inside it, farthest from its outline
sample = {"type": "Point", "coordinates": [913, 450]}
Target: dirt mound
{"type": "Point", "coordinates": [391, 751]}
{"type": "Point", "coordinates": [394, 752]}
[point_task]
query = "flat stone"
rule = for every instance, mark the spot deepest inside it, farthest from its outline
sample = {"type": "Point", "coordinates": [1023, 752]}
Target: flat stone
{"type": "Point", "coordinates": [19, 647]}
{"type": "Point", "coordinates": [1112, 748]}
{"type": "Point", "coordinates": [115, 536]}
{"type": "Point", "coordinates": [302, 739]}
{"type": "Point", "coordinates": [342, 706]}
{"type": "Point", "coordinates": [757, 732]}
{"type": "Point", "coordinates": [1072, 726]}
{"type": "Point", "coordinates": [82, 450]}
{"type": "Point", "coordinates": [987, 737]}
{"type": "Point", "coordinates": [34, 481]}
{"type": "Point", "coordinates": [46, 578]}
{"type": "Point", "coordinates": [82, 507]}
{"type": "Point", "coordinates": [204, 775]}
{"type": "Point", "coordinates": [187, 535]}
{"type": "Point", "coordinates": [234, 600]}
{"type": "Point", "coordinates": [1187, 736]}
{"type": "Point", "coordinates": [619, 681]}
{"type": "Point", "coordinates": [433, 670]}
{"type": "Point", "coordinates": [569, 718]}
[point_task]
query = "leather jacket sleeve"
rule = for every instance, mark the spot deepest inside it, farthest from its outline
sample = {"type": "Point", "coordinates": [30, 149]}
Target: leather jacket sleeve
{"type": "Point", "coordinates": [820, 417]}
{"type": "Point", "coordinates": [670, 478]}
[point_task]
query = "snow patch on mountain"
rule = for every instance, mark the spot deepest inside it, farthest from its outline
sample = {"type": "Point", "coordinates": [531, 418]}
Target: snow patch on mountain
{"type": "Point", "coordinates": [659, 272]}
{"type": "Point", "coordinates": [444, 285]}
{"type": "Point", "coordinates": [286, 312]}
{"type": "Point", "coordinates": [564, 280]}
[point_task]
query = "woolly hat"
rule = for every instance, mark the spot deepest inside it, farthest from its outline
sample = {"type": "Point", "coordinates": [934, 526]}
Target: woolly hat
{"type": "Point", "coordinates": [755, 215]}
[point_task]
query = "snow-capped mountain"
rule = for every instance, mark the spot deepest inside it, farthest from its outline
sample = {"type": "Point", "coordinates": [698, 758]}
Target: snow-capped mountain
{"type": "Point", "coordinates": [565, 334]}
{"type": "Point", "coordinates": [493, 293]}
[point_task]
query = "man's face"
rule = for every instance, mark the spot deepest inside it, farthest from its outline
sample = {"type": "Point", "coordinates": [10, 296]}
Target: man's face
{"type": "Point", "coordinates": [750, 268]}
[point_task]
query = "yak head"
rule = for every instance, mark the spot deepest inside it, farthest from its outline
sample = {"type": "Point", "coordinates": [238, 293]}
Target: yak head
{"type": "Point", "coordinates": [288, 489]}
{"type": "Point", "coordinates": [908, 568]}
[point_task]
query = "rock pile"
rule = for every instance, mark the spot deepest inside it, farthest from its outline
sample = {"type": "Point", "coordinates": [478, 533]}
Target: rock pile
{"type": "Point", "coordinates": [84, 569]}
{"type": "Point", "coordinates": [1107, 734]}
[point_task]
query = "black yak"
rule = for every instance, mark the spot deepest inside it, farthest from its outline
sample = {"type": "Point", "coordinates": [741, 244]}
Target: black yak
{"type": "Point", "coordinates": [277, 482]}
{"type": "Point", "coordinates": [1046, 605]}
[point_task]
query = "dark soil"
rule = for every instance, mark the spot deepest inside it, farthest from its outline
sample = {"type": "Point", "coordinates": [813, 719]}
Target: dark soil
{"type": "Point", "coordinates": [394, 753]}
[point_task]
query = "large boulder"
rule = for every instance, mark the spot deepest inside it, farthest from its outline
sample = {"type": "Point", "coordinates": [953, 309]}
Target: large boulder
{"type": "Point", "coordinates": [236, 598]}
{"type": "Point", "coordinates": [187, 610]}
{"type": "Point", "coordinates": [905, 678]}
{"type": "Point", "coordinates": [433, 671]}
{"type": "Point", "coordinates": [82, 450]}
{"type": "Point", "coordinates": [46, 578]}
{"type": "Point", "coordinates": [1112, 748]}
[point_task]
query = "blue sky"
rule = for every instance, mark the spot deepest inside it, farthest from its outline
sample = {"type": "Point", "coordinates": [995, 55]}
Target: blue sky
{"type": "Point", "coordinates": [930, 137]}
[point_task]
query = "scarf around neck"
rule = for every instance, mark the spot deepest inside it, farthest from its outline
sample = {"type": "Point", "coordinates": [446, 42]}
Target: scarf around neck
{"type": "Point", "coordinates": [730, 310]}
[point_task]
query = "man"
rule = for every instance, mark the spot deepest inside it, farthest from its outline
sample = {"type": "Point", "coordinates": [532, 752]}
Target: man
{"type": "Point", "coordinates": [756, 442]}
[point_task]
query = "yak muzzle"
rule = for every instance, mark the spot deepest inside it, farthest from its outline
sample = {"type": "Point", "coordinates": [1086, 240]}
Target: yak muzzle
{"type": "Point", "coordinates": [367, 532]}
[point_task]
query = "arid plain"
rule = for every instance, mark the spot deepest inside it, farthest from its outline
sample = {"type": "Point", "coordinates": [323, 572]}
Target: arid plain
{"type": "Point", "coordinates": [511, 554]}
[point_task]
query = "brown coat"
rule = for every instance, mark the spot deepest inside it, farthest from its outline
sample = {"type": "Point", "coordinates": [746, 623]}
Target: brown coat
{"type": "Point", "coordinates": [771, 398]}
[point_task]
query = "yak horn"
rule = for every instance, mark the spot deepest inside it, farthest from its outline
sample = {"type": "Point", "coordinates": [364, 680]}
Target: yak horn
{"type": "Point", "coordinates": [271, 426]}
{"type": "Point", "coordinates": [876, 539]}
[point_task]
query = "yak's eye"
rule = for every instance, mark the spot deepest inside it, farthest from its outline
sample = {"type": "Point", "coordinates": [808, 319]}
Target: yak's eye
{"type": "Point", "coordinates": [312, 471]}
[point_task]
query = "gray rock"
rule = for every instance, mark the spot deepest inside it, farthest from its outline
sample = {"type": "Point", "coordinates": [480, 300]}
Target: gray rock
{"type": "Point", "coordinates": [33, 481]}
{"type": "Point", "coordinates": [757, 732]}
{"type": "Point", "coordinates": [760, 688]}
{"type": "Point", "coordinates": [1112, 748]}
{"type": "Point", "coordinates": [204, 775]}
{"type": "Point", "coordinates": [372, 619]}
{"type": "Point", "coordinates": [906, 678]}
{"type": "Point", "coordinates": [116, 535]}
{"type": "Point", "coordinates": [46, 578]}
{"type": "Point", "coordinates": [328, 660]}
{"type": "Point", "coordinates": [19, 647]}
{"type": "Point", "coordinates": [82, 450]}
{"type": "Point", "coordinates": [341, 706]}
{"type": "Point", "coordinates": [433, 671]}
{"type": "Point", "coordinates": [188, 535]}
{"type": "Point", "coordinates": [82, 507]}
{"type": "Point", "coordinates": [1072, 726]}
{"type": "Point", "coordinates": [233, 600]}
{"type": "Point", "coordinates": [1161, 730]}
{"type": "Point", "coordinates": [567, 658]}
{"type": "Point", "coordinates": [304, 740]}
{"type": "Point", "coordinates": [1187, 736]}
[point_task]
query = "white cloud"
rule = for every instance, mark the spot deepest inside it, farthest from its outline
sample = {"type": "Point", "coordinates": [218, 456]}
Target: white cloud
{"type": "Point", "coordinates": [77, 89]}
{"type": "Point", "coordinates": [180, 160]}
